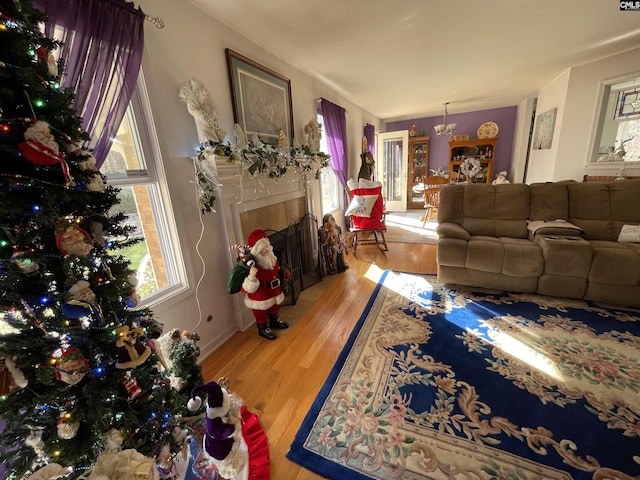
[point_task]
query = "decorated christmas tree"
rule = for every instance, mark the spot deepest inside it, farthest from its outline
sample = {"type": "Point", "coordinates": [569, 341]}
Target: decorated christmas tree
{"type": "Point", "coordinates": [92, 381]}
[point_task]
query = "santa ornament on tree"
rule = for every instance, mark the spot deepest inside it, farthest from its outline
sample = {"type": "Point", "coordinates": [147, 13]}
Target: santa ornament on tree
{"type": "Point", "coordinates": [262, 287]}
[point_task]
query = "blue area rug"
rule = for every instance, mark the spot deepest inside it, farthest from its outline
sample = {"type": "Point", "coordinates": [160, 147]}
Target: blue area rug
{"type": "Point", "coordinates": [439, 383]}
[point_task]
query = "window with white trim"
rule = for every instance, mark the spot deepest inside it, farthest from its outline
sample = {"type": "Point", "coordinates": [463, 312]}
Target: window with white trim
{"type": "Point", "coordinates": [330, 186]}
{"type": "Point", "coordinates": [157, 259]}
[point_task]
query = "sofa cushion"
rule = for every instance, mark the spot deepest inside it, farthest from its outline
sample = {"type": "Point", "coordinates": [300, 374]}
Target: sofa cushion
{"type": "Point", "coordinates": [566, 256]}
{"type": "Point", "coordinates": [452, 230]}
{"type": "Point", "coordinates": [601, 209]}
{"type": "Point", "coordinates": [615, 263]}
{"type": "Point", "coordinates": [496, 210]}
{"type": "Point", "coordinates": [549, 201]}
{"type": "Point", "coordinates": [513, 257]}
{"type": "Point", "coordinates": [522, 258]}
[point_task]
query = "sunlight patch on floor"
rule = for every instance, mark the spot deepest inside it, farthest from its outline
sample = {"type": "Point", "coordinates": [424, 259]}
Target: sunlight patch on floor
{"type": "Point", "coordinates": [405, 284]}
{"type": "Point", "coordinates": [412, 222]}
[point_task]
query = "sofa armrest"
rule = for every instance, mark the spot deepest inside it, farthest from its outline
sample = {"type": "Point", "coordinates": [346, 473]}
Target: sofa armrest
{"type": "Point", "coordinates": [452, 230]}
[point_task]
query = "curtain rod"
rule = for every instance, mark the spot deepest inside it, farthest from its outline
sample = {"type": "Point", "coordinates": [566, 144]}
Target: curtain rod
{"type": "Point", "coordinates": [318, 99]}
{"type": "Point", "coordinates": [157, 21]}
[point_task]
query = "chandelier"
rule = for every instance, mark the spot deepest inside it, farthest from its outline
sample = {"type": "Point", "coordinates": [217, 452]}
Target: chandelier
{"type": "Point", "coordinates": [445, 128]}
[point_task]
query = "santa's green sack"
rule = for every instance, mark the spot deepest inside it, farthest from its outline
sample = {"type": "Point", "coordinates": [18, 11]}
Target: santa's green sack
{"type": "Point", "coordinates": [239, 272]}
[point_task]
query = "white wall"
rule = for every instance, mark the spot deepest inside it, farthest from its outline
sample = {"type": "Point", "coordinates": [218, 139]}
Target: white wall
{"type": "Point", "coordinates": [542, 162]}
{"type": "Point", "coordinates": [192, 44]}
{"type": "Point", "coordinates": [577, 93]}
{"type": "Point", "coordinates": [520, 148]}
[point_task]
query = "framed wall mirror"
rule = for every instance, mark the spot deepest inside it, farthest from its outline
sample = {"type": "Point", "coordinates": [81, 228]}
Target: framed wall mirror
{"type": "Point", "coordinates": [617, 137]}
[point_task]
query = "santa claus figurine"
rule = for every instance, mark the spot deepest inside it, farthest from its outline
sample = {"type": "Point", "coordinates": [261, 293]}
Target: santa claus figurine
{"type": "Point", "coordinates": [262, 289]}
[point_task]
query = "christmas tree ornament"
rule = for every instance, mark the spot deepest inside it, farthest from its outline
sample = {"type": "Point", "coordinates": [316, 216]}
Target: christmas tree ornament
{"type": "Point", "coordinates": [113, 441]}
{"type": "Point", "coordinates": [131, 386]}
{"type": "Point", "coordinates": [67, 427]}
{"type": "Point", "coordinates": [97, 235]}
{"type": "Point", "coordinates": [50, 471]}
{"type": "Point", "coordinates": [45, 56]}
{"type": "Point", "coordinates": [18, 377]}
{"type": "Point", "coordinates": [222, 440]}
{"type": "Point", "coordinates": [89, 164]}
{"type": "Point", "coordinates": [72, 240]}
{"type": "Point", "coordinates": [34, 440]}
{"type": "Point", "coordinates": [81, 302]}
{"type": "Point", "coordinates": [132, 352]}
{"type": "Point", "coordinates": [71, 366]}
{"type": "Point", "coordinates": [131, 298]}
{"type": "Point", "coordinates": [40, 148]}
{"type": "Point", "coordinates": [24, 262]}
{"type": "Point", "coordinates": [126, 464]}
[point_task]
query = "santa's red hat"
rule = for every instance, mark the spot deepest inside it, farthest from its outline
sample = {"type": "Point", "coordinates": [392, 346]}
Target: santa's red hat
{"type": "Point", "coordinates": [258, 241]}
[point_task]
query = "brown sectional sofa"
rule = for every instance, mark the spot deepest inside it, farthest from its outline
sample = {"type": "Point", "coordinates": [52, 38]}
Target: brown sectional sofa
{"type": "Point", "coordinates": [510, 237]}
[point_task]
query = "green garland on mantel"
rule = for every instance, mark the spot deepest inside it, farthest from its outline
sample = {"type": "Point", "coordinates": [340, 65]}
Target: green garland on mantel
{"type": "Point", "coordinates": [265, 160]}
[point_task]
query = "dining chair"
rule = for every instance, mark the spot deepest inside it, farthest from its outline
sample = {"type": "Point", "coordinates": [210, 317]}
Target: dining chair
{"type": "Point", "coordinates": [432, 187]}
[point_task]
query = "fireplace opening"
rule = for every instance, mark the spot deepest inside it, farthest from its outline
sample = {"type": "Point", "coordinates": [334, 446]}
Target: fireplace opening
{"type": "Point", "coordinates": [297, 248]}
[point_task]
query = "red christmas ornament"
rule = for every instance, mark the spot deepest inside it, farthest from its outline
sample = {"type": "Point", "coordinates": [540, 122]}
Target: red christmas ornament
{"type": "Point", "coordinates": [40, 148]}
{"type": "Point", "coordinates": [72, 240]}
{"type": "Point", "coordinates": [72, 366]}
{"type": "Point", "coordinates": [131, 386]}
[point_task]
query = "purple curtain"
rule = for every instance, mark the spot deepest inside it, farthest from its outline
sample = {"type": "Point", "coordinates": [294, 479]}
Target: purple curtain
{"type": "Point", "coordinates": [102, 49]}
{"type": "Point", "coordinates": [335, 122]}
{"type": "Point", "coordinates": [370, 135]}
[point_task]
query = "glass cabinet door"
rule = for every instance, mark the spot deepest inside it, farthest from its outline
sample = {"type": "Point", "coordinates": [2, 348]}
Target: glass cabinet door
{"type": "Point", "coordinates": [418, 171]}
{"type": "Point", "coordinates": [391, 169]}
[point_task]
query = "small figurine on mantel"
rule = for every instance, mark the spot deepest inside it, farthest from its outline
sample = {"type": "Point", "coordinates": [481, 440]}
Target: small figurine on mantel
{"type": "Point", "coordinates": [314, 134]}
{"type": "Point", "coordinates": [283, 141]}
{"type": "Point", "coordinates": [201, 106]}
{"type": "Point", "coordinates": [240, 136]}
{"type": "Point", "coordinates": [412, 131]}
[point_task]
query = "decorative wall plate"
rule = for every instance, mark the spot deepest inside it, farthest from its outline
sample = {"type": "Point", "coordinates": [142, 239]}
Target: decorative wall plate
{"type": "Point", "coordinates": [488, 130]}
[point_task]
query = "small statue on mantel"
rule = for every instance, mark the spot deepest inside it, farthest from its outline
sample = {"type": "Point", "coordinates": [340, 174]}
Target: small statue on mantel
{"type": "Point", "coordinates": [241, 137]}
{"type": "Point", "coordinates": [314, 134]}
{"type": "Point", "coordinates": [201, 106]}
{"type": "Point", "coordinates": [283, 141]}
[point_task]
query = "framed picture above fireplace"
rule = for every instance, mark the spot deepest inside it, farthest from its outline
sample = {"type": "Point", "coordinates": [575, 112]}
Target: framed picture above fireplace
{"type": "Point", "coordinates": [261, 99]}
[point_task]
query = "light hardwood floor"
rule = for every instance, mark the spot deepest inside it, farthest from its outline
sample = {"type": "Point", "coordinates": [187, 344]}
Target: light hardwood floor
{"type": "Point", "coordinates": [278, 380]}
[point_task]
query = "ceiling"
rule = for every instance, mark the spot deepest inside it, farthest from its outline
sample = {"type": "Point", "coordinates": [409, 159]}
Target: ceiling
{"type": "Point", "coordinates": [403, 59]}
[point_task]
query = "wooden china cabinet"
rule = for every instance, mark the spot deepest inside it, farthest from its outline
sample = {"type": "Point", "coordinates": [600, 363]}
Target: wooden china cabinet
{"type": "Point", "coordinates": [418, 170]}
{"type": "Point", "coordinates": [483, 149]}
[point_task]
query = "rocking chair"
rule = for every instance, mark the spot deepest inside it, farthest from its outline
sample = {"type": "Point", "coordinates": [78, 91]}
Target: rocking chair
{"type": "Point", "coordinates": [366, 213]}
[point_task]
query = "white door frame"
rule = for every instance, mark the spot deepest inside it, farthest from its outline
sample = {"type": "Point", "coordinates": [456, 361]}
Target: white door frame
{"type": "Point", "coordinates": [394, 190]}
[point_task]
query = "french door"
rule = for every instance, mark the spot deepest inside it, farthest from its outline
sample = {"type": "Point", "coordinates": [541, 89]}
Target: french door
{"type": "Point", "coordinates": [391, 168]}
